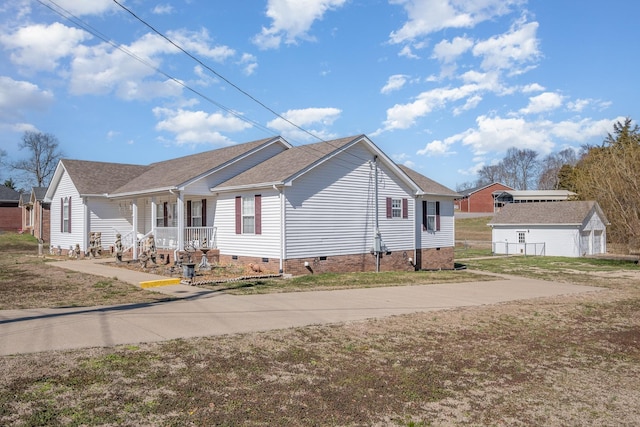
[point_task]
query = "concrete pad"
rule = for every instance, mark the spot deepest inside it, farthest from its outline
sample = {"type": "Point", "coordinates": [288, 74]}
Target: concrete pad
{"type": "Point", "coordinates": [207, 313]}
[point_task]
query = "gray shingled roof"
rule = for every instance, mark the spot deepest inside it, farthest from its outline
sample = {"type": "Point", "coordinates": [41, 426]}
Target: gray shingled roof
{"type": "Point", "coordinates": [428, 185]}
{"type": "Point", "coordinates": [287, 164]}
{"type": "Point", "coordinates": [8, 194]}
{"type": "Point", "coordinates": [174, 172]}
{"type": "Point", "coordinates": [572, 212]}
{"type": "Point", "coordinates": [100, 177]}
{"type": "Point", "coordinates": [39, 192]}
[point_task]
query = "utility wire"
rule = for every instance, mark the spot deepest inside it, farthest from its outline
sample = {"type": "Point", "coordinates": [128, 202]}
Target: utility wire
{"type": "Point", "coordinates": [59, 10]}
{"type": "Point", "coordinates": [77, 21]}
{"type": "Point", "coordinates": [238, 88]}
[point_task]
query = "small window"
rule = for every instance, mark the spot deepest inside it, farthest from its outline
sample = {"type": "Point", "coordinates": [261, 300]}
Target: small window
{"type": "Point", "coordinates": [521, 237]}
{"type": "Point", "coordinates": [396, 208]}
{"type": "Point", "coordinates": [431, 216]}
{"type": "Point", "coordinates": [65, 216]}
{"type": "Point", "coordinates": [248, 215]}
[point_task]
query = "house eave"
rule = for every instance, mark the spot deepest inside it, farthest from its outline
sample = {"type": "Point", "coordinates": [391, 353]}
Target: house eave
{"type": "Point", "coordinates": [148, 192]}
{"type": "Point", "coordinates": [277, 184]}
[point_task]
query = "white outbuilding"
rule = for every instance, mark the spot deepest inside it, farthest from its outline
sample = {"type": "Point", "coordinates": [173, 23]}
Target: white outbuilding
{"type": "Point", "coordinates": [570, 228]}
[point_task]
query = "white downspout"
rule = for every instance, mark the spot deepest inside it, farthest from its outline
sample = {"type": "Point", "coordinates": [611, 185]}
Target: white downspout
{"type": "Point", "coordinates": [87, 225]}
{"type": "Point", "coordinates": [134, 219]}
{"type": "Point", "coordinates": [282, 225]}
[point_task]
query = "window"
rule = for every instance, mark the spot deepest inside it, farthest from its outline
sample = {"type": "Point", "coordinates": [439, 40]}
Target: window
{"type": "Point", "coordinates": [249, 214]}
{"type": "Point", "coordinates": [195, 213]}
{"type": "Point", "coordinates": [397, 208]}
{"type": "Point", "coordinates": [431, 216]}
{"type": "Point", "coordinates": [65, 215]}
{"type": "Point", "coordinates": [521, 237]}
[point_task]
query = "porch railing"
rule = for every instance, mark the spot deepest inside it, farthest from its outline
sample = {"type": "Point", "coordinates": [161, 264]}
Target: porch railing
{"type": "Point", "coordinates": [167, 237]}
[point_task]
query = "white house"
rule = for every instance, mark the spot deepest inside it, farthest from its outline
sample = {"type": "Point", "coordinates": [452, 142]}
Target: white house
{"type": "Point", "coordinates": [570, 228]}
{"type": "Point", "coordinates": [339, 205]}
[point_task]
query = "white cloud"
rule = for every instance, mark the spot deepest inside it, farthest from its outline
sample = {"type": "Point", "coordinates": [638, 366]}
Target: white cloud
{"type": "Point", "coordinates": [163, 9]}
{"type": "Point", "coordinates": [403, 116]}
{"type": "Point", "coordinates": [93, 7]}
{"type": "Point", "coordinates": [507, 51]}
{"type": "Point", "coordinates": [395, 82]}
{"type": "Point", "coordinates": [198, 127]}
{"type": "Point", "coordinates": [533, 87]}
{"type": "Point", "coordinates": [429, 16]}
{"type": "Point", "coordinates": [436, 148]}
{"type": "Point", "coordinates": [40, 47]}
{"type": "Point", "coordinates": [408, 53]}
{"type": "Point", "coordinates": [18, 96]}
{"type": "Point", "coordinates": [447, 51]}
{"type": "Point", "coordinates": [249, 62]}
{"type": "Point", "coordinates": [292, 20]}
{"type": "Point", "coordinates": [546, 101]}
{"type": "Point", "coordinates": [497, 134]}
{"type": "Point", "coordinates": [307, 118]}
{"type": "Point", "coordinates": [102, 69]}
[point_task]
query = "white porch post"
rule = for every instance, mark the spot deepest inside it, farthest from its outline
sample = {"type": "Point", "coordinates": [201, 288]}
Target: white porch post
{"type": "Point", "coordinates": [180, 222]}
{"type": "Point", "coordinates": [154, 216]}
{"type": "Point", "coordinates": [134, 206]}
{"type": "Point", "coordinates": [87, 224]}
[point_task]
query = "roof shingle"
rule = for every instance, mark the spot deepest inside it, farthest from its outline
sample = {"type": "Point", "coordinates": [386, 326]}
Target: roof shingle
{"type": "Point", "coordinates": [565, 212]}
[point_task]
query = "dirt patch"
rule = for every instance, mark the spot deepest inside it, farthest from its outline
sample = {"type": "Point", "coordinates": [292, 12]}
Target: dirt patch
{"type": "Point", "coordinates": [568, 360]}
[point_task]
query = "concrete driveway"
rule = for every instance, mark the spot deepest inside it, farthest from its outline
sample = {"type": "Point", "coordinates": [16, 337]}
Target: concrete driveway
{"type": "Point", "coordinates": [210, 313]}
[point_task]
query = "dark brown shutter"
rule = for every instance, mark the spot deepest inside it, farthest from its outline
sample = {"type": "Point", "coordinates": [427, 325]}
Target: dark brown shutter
{"type": "Point", "coordinates": [424, 215]}
{"type": "Point", "coordinates": [165, 214]}
{"type": "Point", "coordinates": [238, 215]}
{"type": "Point", "coordinates": [405, 208]}
{"type": "Point", "coordinates": [437, 216]}
{"type": "Point", "coordinates": [258, 213]}
{"type": "Point", "coordinates": [189, 213]}
{"type": "Point", "coordinates": [61, 214]}
{"type": "Point", "coordinates": [204, 212]}
{"type": "Point", "coordinates": [389, 213]}
{"type": "Point", "coordinates": [69, 214]}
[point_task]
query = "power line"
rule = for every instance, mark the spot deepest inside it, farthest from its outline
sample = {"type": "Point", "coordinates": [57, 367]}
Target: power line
{"type": "Point", "coordinates": [79, 22]}
{"type": "Point", "coordinates": [230, 83]}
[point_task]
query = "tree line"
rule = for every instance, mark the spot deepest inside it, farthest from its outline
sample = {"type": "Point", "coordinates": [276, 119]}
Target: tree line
{"type": "Point", "coordinates": [608, 173]}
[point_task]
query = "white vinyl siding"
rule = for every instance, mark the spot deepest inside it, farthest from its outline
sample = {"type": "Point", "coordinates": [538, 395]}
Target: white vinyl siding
{"type": "Point", "coordinates": [264, 245]}
{"type": "Point", "coordinates": [571, 240]}
{"type": "Point", "coordinates": [442, 238]}
{"type": "Point", "coordinates": [65, 240]}
{"type": "Point", "coordinates": [330, 209]}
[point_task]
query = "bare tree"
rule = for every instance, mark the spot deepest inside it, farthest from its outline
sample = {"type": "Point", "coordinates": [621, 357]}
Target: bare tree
{"type": "Point", "coordinates": [550, 166]}
{"type": "Point", "coordinates": [489, 174]}
{"type": "Point", "coordinates": [44, 155]}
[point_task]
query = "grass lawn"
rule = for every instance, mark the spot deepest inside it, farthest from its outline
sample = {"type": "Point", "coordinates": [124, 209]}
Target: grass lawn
{"type": "Point", "coordinates": [568, 360]}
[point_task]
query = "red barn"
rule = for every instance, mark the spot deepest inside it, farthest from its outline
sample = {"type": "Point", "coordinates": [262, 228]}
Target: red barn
{"type": "Point", "coordinates": [479, 199]}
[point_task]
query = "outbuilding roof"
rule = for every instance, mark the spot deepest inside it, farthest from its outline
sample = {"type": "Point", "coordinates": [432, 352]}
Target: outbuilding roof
{"type": "Point", "coordinates": [547, 213]}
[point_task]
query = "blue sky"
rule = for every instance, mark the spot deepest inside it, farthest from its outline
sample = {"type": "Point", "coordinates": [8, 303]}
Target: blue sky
{"type": "Point", "coordinates": [443, 86]}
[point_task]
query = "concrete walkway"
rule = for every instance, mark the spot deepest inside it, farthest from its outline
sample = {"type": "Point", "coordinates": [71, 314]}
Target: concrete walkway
{"type": "Point", "coordinates": [206, 313]}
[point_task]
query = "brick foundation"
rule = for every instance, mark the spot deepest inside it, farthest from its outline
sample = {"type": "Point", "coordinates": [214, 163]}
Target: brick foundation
{"type": "Point", "coordinates": [395, 261]}
{"type": "Point", "coordinates": [435, 259]}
